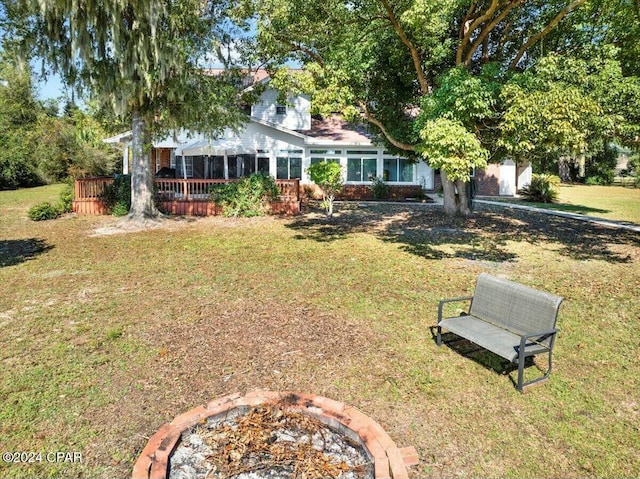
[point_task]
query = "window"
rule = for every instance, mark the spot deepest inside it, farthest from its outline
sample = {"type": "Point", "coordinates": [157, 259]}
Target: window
{"type": "Point", "coordinates": [281, 110]}
{"type": "Point", "coordinates": [172, 159]}
{"type": "Point", "coordinates": [361, 169]}
{"type": "Point", "coordinates": [397, 170]}
{"type": "Point", "coordinates": [328, 160]}
{"type": "Point", "coordinates": [289, 164]}
{"type": "Point", "coordinates": [326, 152]}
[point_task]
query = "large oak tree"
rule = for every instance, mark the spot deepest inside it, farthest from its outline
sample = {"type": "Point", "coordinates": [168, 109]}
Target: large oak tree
{"type": "Point", "coordinates": [432, 70]}
{"type": "Point", "coordinates": [143, 59]}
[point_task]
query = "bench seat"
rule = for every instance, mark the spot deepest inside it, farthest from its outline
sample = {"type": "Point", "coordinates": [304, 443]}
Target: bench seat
{"type": "Point", "coordinates": [493, 338]}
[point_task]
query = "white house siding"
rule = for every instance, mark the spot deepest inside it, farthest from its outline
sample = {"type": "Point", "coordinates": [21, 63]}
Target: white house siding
{"type": "Point", "coordinates": [265, 141]}
{"type": "Point", "coordinates": [298, 111]}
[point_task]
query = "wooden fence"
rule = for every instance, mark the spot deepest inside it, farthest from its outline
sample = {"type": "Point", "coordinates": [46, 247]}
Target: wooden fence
{"type": "Point", "coordinates": [176, 196]}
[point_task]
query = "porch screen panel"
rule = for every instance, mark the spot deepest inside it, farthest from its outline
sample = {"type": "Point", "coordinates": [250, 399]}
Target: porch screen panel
{"type": "Point", "coordinates": [198, 167]}
{"type": "Point", "coordinates": [263, 165]}
{"type": "Point", "coordinates": [248, 164]}
{"type": "Point", "coordinates": [188, 165]}
{"type": "Point", "coordinates": [217, 167]}
{"type": "Point", "coordinates": [235, 167]}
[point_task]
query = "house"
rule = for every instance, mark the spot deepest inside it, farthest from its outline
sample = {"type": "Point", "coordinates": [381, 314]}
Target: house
{"type": "Point", "coordinates": [283, 140]}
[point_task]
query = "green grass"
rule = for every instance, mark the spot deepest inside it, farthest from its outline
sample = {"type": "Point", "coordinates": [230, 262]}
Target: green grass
{"type": "Point", "coordinates": [610, 202]}
{"type": "Point", "coordinates": [106, 337]}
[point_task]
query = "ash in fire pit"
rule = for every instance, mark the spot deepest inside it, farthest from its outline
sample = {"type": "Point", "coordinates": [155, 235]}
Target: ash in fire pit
{"type": "Point", "coordinates": [268, 443]}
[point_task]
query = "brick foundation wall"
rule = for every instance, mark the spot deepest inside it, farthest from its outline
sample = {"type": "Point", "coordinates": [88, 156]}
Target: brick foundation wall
{"type": "Point", "coordinates": [362, 192]}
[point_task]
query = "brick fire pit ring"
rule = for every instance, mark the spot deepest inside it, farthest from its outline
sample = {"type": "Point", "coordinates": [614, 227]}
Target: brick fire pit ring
{"type": "Point", "coordinates": [390, 461]}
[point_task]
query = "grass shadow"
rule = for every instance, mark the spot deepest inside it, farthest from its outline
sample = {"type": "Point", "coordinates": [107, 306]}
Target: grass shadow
{"type": "Point", "coordinates": [488, 360]}
{"type": "Point", "coordinates": [485, 236]}
{"type": "Point", "coordinates": [13, 252]}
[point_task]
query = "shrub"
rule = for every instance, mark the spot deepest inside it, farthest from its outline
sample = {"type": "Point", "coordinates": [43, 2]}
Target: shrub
{"type": "Point", "coordinates": [543, 188]}
{"type": "Point", "coordinates": [379, 189]}
{"type": "Point", "coordinates": [117, 195]}
{"type": "Point", "coordinates": [600, 168]}
{"type": "Point", "coordinates": [605, 178]}
{"type": "Point", "coordinates": [246, 197]}
{"type": "Point", "coordinates": [66, 198]}
{"type": "Point", "coordinates": [44, 211]}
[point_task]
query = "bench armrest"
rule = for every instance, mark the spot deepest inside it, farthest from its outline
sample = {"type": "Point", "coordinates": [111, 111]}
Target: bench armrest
{"type": "Point", "coordinates": [540, 335]}
{"type": "Point", "coordinates": [451, 300]}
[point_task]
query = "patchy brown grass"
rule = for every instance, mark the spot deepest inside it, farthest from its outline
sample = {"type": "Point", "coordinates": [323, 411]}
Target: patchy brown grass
{"type": "Point", "coordinates": [107, 336]}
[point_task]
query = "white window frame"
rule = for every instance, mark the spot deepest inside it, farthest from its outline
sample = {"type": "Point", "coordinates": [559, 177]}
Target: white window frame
{"type": "Point", "coordinates": [397, 161]}
{"type": "Point", "coordinates": [289, 155]}
{"type": "Point", "coordinates": [361, 155]}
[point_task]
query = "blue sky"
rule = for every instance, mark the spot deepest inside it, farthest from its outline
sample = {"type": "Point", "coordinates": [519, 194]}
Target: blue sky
{"type": "Point", "coordinates": [51, 88]}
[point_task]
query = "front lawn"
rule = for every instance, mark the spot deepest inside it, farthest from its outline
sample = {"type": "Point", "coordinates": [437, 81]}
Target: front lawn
{"type": "Point", "coordinates": [107, 336]}
{"type": "Point", "coordinates": [610, 202]}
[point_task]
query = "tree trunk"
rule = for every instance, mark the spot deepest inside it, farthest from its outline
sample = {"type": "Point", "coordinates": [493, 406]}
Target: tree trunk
{"type": "Point", "coordinates": [455, 196]}
{"type": "Point", "coordinates": [142, 201]}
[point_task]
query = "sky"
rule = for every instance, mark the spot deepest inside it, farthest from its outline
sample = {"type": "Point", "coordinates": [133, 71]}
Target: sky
{"type": "Point", "coordinates": [51, 88]}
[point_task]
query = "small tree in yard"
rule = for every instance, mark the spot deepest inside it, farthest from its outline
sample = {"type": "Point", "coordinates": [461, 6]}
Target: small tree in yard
{"type": "Point", "coordinates": [328, 176]}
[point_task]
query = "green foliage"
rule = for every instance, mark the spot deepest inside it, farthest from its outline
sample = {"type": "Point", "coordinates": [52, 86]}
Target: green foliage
{"type": "Point", "coordinates": [600, 168]}
{"type": "Point", "coordinates": [449, 146]}
{"type": "Point", "coordinates": [544, 188]}
{"type": "Point", "coordinates": [38, 146]}
{"type": "Point", "coordinates": [379, 189]}
{"type": "Point", "coordinates": [117, 195]}
{"type": "Point", "coordinates": [66, 198]}
{"type": "Point", "coordinates": [328, 176]}
{"type": "Point", "coordinates": [246, 197]}
{"type": "Point", "coordinates": [465, 97]}
{"type": "Point", "coordinates": [568, 106]}
{"type": "Point", "coordinates": [44, 211]}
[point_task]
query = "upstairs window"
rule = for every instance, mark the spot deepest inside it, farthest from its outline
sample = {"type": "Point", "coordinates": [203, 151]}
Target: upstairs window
{"type": "Point", "coordinates": [281, 110]}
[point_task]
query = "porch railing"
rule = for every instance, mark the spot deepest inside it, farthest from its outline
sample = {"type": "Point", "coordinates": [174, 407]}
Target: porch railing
{"type": "Point", "coordinates": [194, 190]}
{"type": "Point", "coordinates": [90, 188]}
{"type": "Point", "coordinates": [178, 189]}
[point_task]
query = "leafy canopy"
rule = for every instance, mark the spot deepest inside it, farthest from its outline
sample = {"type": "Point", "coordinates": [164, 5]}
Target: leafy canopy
{"type": "Point", "coordinates": [449, 146]}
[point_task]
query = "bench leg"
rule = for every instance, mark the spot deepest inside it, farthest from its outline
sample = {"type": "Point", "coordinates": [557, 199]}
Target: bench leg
{"type": "Point", "coordinates": [439, 336]}
{"type": "Point", "coordinates": [521, 384]}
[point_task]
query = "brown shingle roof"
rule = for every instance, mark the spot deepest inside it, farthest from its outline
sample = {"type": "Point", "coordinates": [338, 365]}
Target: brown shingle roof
{"type": "Point", "coordinates": [334, 128]}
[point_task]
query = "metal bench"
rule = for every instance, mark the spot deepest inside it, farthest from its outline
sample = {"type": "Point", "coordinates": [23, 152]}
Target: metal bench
{"type": "Point", "coordinates": [509, 319]}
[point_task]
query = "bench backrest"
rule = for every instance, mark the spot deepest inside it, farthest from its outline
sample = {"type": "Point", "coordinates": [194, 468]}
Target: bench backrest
{"type": "Point", "coordinates": [513, 306]}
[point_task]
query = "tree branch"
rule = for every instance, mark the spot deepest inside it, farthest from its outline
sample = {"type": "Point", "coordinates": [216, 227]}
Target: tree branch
{"type": "Point", "coordinates": [553, 24]}
{"type": "Point", "coordinates": [484, 33]}
{"type": "Point", "coordinates": [466, 20]}
{"type": "Point", "coordinates": [472, 28]}
{"type": "Point", "coordinates": [300, 48]}
{"type": "Point", "coordinates": [371, 119]}
{"type": "Point", "coordinates": [417, 64]}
